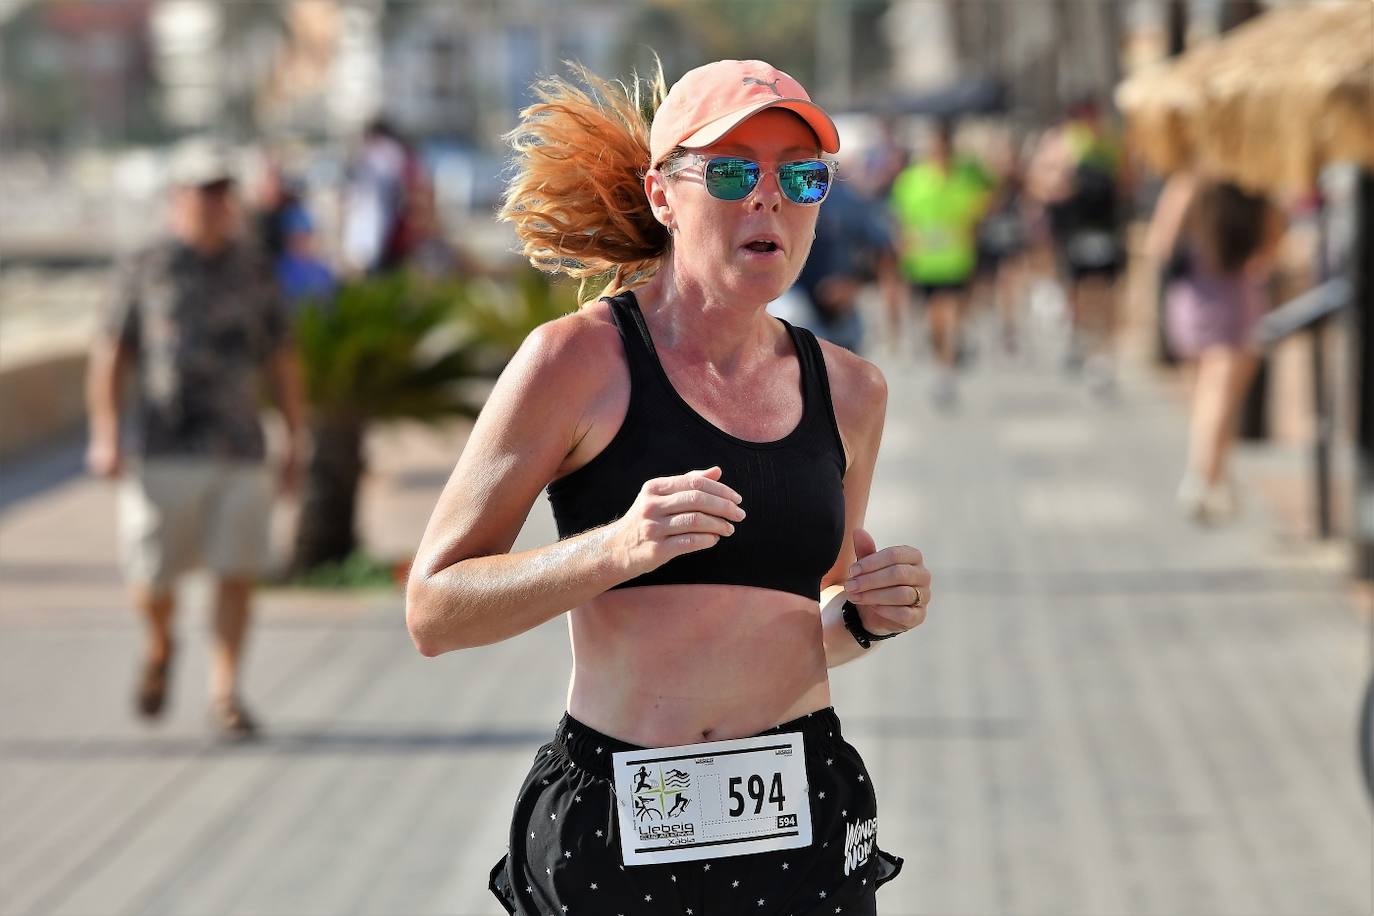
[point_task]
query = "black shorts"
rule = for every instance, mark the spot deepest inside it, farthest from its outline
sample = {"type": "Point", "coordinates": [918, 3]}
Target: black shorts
{"type": "Point", "coordinates": [925, 290]}
{"type": "Point", "coordinates": [1088, 254]}
{"type": "Point", "coordinates": [565, 860]}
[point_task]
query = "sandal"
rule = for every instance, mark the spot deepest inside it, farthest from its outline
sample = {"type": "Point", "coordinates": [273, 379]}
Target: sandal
{"type": "Point", "coordinates": [152, 687]}
{"type": "Point", "coordinates": [231, 719]}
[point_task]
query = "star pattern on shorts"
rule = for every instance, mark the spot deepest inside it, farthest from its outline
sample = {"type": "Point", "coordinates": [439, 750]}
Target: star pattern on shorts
{"type": "Point", "coordinates": [648, 898]}
{"type": "Point", "coordinates": [761, 901]}
{"type": "Point", "coordinates": [820, 795]}
{"type": "Point", "coordinates": [861, 777]}
{"type": "Point", "coordinates": [600, 834]}
{"type": "Point", "coordinates": [594, 887]}
{"type": "Point", "coordinates": [830, 761]}
{"type": "Point", "coordinates": [784, 866]}
{"type": "Point", "coordinates": [566, 854]}
{"type": "Point", "coordinates": [736, 884]}
{"type": "Point", "coordinates": [553, 817]}
{"type": "Point", "coordinates": [822, 895]}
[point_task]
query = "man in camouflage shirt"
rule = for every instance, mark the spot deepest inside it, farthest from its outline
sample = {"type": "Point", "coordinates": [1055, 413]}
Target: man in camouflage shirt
{"type": "Point", "coordinates": [199, 318]}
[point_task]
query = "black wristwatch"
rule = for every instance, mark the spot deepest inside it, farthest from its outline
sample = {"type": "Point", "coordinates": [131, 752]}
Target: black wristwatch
{"type": "Point", "coordinates": [855, 625]}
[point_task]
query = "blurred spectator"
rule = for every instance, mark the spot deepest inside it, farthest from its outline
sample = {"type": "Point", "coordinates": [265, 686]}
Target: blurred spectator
{"type": "Point", "coordinates": [852, 247]}
{"type": "Point", "coordinates": [1217, 244]}
{"type": "Point", "coordinates": [198, 315]}
{"type": "Point", "coordinates": [1003, 239]}
{"type": "Point", "coordinates": [938, 203]}
{"type": "Point", "coordinates": [431, 255]}
{"type": "Point", "coordinates": [385, 179]}
{"type": "Point", "coordinates": [884, 161]}
{"type": "Point", "coordinates": [303, 275]}
{"type": "Point", "coordinates": [274, 197]}
{"type": "Point", "coordinates": [1077, 173]}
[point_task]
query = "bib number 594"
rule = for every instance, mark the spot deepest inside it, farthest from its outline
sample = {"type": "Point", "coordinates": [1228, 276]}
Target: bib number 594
{"type": "Point", "coordinates": [755, 787]}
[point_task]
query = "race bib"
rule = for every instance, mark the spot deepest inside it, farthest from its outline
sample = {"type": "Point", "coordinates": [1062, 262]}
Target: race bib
{"type": "Point", "coordinates": [706, 801]}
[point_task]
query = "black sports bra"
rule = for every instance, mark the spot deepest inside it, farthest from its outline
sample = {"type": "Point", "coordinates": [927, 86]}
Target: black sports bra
{"type": "Point", "coordinates": [792, 489]}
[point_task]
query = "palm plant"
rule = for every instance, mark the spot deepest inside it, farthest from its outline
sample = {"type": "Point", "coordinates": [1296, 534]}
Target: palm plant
{"type": "Point", "coordinates": [391, 347]}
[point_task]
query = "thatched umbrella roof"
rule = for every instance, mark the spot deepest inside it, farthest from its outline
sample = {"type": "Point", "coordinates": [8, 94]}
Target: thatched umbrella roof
{"type": "Point", "coordinates": [1268, 104]}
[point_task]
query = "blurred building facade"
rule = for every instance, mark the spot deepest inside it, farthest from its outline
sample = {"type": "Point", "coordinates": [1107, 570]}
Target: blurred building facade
{"type": "Point", "coordinates": [116, 71]}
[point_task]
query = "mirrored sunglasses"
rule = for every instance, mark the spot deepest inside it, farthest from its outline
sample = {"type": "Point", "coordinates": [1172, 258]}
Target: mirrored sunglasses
{"type": "Point", "coordinates": [805, 181]}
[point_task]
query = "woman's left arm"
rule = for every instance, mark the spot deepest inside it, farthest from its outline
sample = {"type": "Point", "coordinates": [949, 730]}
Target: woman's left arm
{"type": "Point", "coordinates": [883, 584]}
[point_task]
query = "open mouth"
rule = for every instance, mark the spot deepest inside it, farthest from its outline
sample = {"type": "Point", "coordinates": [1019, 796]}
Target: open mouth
{"type": "Point", "coordinates": [763, 246]}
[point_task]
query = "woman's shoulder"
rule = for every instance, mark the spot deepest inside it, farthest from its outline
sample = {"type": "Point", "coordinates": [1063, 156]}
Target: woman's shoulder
{"type": "Point", "coordinates": [857, 386]}
{"type": "Point", "coordinates": [578, 344]}
{"type": "Point", "coordinates": [851, 376]}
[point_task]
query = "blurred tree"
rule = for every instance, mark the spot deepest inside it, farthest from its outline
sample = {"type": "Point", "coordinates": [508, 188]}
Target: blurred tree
{"type": "Point", "coordinates": [393, 347]}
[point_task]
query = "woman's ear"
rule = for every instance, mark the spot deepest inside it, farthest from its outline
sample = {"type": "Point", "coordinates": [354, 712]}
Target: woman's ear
{"type": "Point", "coordinates": [656, 190]}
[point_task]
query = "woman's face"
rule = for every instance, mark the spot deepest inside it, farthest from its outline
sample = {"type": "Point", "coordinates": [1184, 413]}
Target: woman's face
{"type": "Point", "coordinates": [712, 238]}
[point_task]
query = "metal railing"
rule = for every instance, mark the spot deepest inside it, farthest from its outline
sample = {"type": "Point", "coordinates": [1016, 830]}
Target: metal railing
{"type": "Point", "coordinates": [1312, 311]}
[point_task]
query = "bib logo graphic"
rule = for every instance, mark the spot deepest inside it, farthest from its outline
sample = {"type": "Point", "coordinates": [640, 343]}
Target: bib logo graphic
{"type": "Point", "coordinates": [755, 81]}
{"type": "Point", "coordinates": [858, 843]}
{"type": "Point", "coordinates": [651, 797]}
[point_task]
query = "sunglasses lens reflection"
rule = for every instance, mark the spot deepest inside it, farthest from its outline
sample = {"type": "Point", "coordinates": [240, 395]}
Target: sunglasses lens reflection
{"type": "Point", "coordinates": [729, 178]}
{"type": "Point", "coordinates": [805, 182]}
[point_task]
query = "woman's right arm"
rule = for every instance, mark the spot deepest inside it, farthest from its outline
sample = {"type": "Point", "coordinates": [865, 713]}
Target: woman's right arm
{"type": "Point", "coordinates": [465, 589]}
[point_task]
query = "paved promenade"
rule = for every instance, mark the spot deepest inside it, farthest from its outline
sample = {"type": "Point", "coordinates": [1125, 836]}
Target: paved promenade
{"type": "Point", "coordinates": [1108, 711]}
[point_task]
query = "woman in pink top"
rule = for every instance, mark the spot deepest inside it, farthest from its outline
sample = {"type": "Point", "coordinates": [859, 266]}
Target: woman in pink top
{"type": "Point", "coordinates": [1221, 242]}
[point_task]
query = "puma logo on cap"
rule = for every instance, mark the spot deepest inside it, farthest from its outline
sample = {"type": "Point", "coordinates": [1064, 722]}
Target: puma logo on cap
{"type": "Point", "coordinates": [755, 81]}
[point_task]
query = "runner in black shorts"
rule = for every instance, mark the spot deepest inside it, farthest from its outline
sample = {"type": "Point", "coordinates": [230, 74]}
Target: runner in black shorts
{"type": "Point", "coordinates": [709, 468]}
{"type": "Point", "coordinates": [926, 291]}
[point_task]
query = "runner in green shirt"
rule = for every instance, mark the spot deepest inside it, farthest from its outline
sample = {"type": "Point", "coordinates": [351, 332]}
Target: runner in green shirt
{"type": "Point", "coordinates": [938, 203]}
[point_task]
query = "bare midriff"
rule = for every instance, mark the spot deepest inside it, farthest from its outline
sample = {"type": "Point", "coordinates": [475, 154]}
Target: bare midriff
{"type": "Point", "coordinates": [664, 665]}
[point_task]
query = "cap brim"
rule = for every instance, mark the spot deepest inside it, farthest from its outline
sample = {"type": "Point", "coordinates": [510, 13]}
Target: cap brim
{"type": "Point", "coordinates": [810, 112]}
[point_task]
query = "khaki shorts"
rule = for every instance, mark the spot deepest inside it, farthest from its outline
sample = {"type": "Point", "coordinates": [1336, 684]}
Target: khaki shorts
{"type": "Point", "coordinates": [176, 515]}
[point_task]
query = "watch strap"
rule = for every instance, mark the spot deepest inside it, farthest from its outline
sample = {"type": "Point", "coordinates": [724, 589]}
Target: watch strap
{"type": "Point", "coordinates": [854, 624]}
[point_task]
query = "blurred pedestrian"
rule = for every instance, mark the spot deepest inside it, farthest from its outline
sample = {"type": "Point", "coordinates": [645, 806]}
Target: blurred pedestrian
{"type": "Point", "coordinates": [197, 315]}
{"type": "Point", "coordinates": [938, 202]}
{"type": "Point", "coordinates": [378, 215]}
{"type": "Point", "coordinates": [1003, 240]}
{"type": "Point", "coordinates": [274, 197]}
{"type": "Point", "coordinates": [304, 276]}
{"type": "Point", "coordinates": [709, 468]}
{"type": "Point", "coordinates": [853, 247]}
{"type": "Point", "coordinates": [1217, 244]}
{"type": "Point", "coordinates": [432, 255]}
{"type": "Point", "coordinates": [1077, 173]}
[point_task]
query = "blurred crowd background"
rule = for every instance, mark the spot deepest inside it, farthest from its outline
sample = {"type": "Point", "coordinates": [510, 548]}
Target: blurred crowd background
{"type": "Point", "coordinates": [367, 136]}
